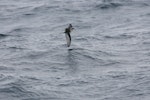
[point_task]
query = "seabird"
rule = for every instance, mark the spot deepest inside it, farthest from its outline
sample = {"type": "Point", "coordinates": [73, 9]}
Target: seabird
{"type": "Point", "coordinates": [67, 34]}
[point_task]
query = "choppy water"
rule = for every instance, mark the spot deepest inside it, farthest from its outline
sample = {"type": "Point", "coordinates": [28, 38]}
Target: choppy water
{"type": "Point", "coordinates": [109, 58]}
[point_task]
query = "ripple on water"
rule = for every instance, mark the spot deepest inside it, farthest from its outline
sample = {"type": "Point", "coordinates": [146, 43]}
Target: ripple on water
{"type": "Point", "coordinates": [4, 68]}
{"type": "Point", "coordinates": [108, 5]}
{"type": "Point", "coordinates": [122, 36]}
{"type": "Point", "coordinates": [17, 88]}
{"type": "Point", "coordinates": [3, 36]}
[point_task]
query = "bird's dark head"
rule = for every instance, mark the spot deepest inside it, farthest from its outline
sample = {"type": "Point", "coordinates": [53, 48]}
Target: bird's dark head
{"type": "Point", "coordinates": [70, 27]}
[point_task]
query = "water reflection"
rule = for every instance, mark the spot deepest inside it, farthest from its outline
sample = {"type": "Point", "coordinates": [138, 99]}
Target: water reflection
{"type": "Point", "coordinates": [72, 62]}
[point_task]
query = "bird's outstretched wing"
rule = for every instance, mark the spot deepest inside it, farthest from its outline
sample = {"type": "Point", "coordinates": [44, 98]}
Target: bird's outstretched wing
{"type": "Point", "coordinates": [68, 39]}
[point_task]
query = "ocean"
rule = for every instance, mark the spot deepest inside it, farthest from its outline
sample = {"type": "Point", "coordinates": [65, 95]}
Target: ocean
{"type": "Point", "coordinates": [109, 56]}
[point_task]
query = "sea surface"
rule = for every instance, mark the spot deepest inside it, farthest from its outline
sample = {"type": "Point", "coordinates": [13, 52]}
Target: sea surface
{"type": "Point", "coordinates": [109, 56]}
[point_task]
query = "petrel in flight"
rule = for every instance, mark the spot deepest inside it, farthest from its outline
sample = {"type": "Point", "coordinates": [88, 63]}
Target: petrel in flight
{"type": "Point", "coordinates": [67, 34]}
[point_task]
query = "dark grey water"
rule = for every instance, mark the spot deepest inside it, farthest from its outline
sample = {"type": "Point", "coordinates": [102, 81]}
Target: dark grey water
{"type": "Point", "coordinates": [109, 58]}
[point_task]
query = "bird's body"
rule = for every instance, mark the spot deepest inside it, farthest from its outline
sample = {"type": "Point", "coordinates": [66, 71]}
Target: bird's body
{"type": "Point", "coordinates": [67, 34]}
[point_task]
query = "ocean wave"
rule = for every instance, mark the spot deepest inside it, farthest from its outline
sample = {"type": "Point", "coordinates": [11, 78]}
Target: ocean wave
{"type": "Point", "coordinates": [19, 29]}
{"type": "Point", "coordinates": [108, 5]}
{"type": "Point", "coordinates": [111, 4]}
{"type": "Point", "coordinates": [17, 89]}
{"type": "Point", "coordinates": [44, 8]}
{"type": "Point", "coordinates": [122, 36]}
{"type": "Point", "coordinates": [76, 82]}
{"type": "Point", "coordinates": [146, 43]}
{"type": "Point", "coordinates": [16, 48]}
{"type": "Point", "coordinates": [28, 14]}
{"type": "Point", "coordinates": [4, 68]}
{"type": "Point", "coordinates": [148, 14]}
{"type": "Point", "coordinates": [118, 75]}
{"type": "Point", "coordinates": [3, 36]}
{"type": "Point", "coordinates": [5, 78]}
